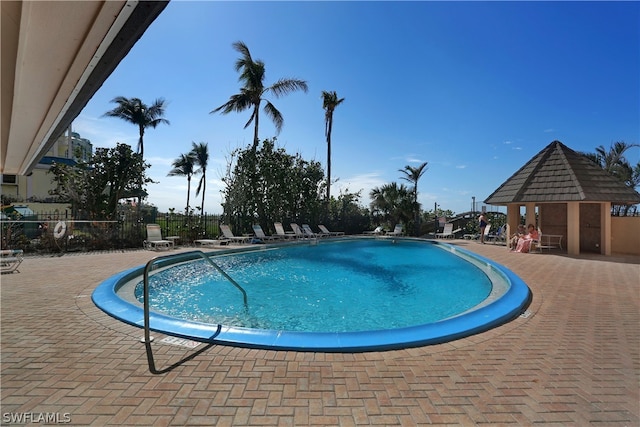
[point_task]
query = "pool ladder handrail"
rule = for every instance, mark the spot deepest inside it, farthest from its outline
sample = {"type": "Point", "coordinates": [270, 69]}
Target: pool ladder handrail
{"type": "Point", "coordinates": [151, 265]}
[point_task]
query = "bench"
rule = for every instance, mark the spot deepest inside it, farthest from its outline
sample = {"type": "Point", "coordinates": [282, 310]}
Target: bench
{"type": "Point", "coordinates": [10, 260]}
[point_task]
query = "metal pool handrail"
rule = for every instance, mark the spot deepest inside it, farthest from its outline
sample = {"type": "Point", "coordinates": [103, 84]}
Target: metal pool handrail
{"type": "Point", "coordinates": [151, 265]}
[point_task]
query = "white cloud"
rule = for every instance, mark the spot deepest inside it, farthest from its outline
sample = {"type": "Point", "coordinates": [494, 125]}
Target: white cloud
{"type": "Point", "coordinates": [364, 183]}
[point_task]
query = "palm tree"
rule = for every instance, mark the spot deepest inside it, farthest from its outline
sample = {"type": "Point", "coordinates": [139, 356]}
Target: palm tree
{"type": "Point", "coordinates": [252, 92]}
{"type": "Point", "coordinates": [329, 102]}
{"type": "Point", "coordinates": [615, 163]}
{"type": "Point", "coordinates": [200, 153]}
{"type": "Point", "coordinates": [184, 166]}
{"type": "Point", "coordinates": [413, 175]}
{"type": "Point", "coordinates": [393, 201]}
{"type": "Point", "coordinates": [133, 110]}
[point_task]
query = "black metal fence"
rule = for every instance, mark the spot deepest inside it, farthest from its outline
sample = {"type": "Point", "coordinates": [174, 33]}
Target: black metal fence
{"type": "Point", "coordinates": [59, 232]}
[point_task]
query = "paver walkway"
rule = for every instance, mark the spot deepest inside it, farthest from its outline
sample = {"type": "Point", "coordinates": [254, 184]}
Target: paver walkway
{"type": "Point", "coordinates": [574, 360]}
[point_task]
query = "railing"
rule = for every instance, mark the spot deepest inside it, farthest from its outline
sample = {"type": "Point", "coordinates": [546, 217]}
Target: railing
{"type": "Point", "coordinates": [151, 265]}
{"type": "Point", "coordinates": [37, 233]}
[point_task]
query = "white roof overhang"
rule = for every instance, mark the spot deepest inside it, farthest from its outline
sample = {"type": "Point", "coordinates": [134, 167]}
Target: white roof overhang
{"type": "Point", "coordinates": [55, 56]}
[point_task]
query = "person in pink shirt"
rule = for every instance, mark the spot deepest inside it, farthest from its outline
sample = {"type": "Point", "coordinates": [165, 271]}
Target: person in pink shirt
{"type": "Point", "coordinates": [524, 242]}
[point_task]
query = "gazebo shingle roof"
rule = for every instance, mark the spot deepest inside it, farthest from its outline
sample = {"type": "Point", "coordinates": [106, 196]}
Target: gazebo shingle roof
{"type": "Point", "coordinates": [559, 174]}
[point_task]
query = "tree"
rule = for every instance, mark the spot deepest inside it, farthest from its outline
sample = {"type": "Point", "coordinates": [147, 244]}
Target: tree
{"type": "Point", "coordinates": [184, 166]}
{"type": "Point", "coordinates": [94, 188]}
{"type": "Point", "coordinates": [393, 202]}
{"type": "Point", "coordinates": [287, 187]}
{"type": "Point", "coordinates": [614, 162]}
{"type": "Point", "coordinates": [134, 111]}
{"type": "Point", "coordinates": [329, 102]}
{"type": "Point", "coordinates": [413, 175]}
{"type": "Point", "coordinates": [200, 153]}
{"type": "Point", "coordinates": [252, 73]}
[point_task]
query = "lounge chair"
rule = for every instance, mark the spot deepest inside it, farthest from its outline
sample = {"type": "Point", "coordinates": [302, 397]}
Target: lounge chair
{"type": "Point", "coordinates": [306, 228]}
{"type": "Point", "coordinates": [397, 231]}
{"type": "Point", "coordinates": [154, 238]}
{"type": "Point", "coordinates": [284, 234]}
{"type": "Point", "coordinates": [499, 236]}
{"type": "Point", "coordinates": [10, 260]}
{"type": "Point", "coordinates": [228, 235]}
{"type": "Point", "coordinates": [325, 230]}
{"type": "Point", "coordinates": [446, 232]}
{"type": "Point", "coordinates": [486, 233]}
{"type": "Point", "coordinates": [377, 231]}
{"type": "Point", "coordinates": [300, 234]}
{"type": "Point", "coordinates": [259, 232]}
{"type": "Point", "coordinates": [208, 242]}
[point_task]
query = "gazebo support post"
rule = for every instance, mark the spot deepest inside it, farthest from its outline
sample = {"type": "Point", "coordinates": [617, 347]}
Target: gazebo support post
{"type": "Point", "coordinates": [605, 228]}
{"type": "Point", "coordinates": [513, 220]}
{"type": "Point", "coordinates": [573, 228]}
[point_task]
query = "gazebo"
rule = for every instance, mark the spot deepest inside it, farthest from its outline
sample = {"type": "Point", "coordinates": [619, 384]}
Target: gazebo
{"type": "Point", "coordinates": [564, 193]}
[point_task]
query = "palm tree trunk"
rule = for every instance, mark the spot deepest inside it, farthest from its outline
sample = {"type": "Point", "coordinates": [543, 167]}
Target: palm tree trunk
{"type": "Point", "coordinates": [188, 194]}
{"type": "Point", "coordinates": [204, 190]}
{"type": "Point", "coordinates": [329, 159]}
{"type": "Point", "coordinates": [255, 131]}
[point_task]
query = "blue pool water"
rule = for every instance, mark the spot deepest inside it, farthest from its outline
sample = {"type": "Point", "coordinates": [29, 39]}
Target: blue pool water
{"type": "Point", "coordinates": [344, 295]}
{"type": "Point", "coordinates": [332, 287]}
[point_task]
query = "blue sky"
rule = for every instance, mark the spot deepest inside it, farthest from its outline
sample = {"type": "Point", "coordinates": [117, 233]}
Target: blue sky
{"type": "Point", "coordinates": [473, 88]}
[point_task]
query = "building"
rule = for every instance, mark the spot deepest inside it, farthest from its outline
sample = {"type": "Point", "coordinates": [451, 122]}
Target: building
{"type": "Point", "coordinates": [33, 190]}
{"type": "Point", "coordinates": [565, 194]}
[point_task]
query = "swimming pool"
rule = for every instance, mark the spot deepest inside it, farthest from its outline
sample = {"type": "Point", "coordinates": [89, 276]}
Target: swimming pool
{"type": "Point", "coordinates": [344, 295]}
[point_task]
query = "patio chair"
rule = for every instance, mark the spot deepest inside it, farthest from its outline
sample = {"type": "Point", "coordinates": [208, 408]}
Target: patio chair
{"type": "Point", "coordinates": [10, 260]}
{"type": "Point", "coordinates": [376, 231]}
{"type": "Point", "coordinates": [209, 242]}
{"type": "Point", "coordinates": [325, 230]}
{"type": "Point", "coordinates": [228, 235]}
{"type": "Point", "coordinates": [397, 231]}
{"type": "Point", "coordinates": [259, 232]}
{"type": "Point", "coordinates": [284, 234]}
{"type": "Point", "coordinates": [300, 234]}
{"type": "Point", "coordinates": [499, 236]}
{"type": "Point", "coordinates": [154, 238]}
{"type": "Point", "coordinates": [446, 232]}
{"type": "Point", "coordinates": [306, 228]}
{"type": "Point", "coordinates": [486, 233]}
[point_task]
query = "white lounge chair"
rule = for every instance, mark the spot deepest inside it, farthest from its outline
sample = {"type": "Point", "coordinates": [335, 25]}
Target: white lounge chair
{"type": "Point", "coordinates": [325, 230]}
{"type": "Point", "coordinates": [259, 232]}
{"type": "Point", "coordinates": [377, 231]}
{"type": "Point", "coordinates": [306, 228]}
{"type": "Point", "coordinates": [447, 232]}
{"type": "Point", "coordinates": [486, 233]}
{"type": "Point", "coordinates": [397, 231]}
{"type": "Point", "coordinates": [228, 235]}
{"type": "Point", "coordinates": [500, 236]}
{"type": "Point", "coordinates": [10, 260]}
{"type": "Point", "coordinates": [300, 234]}
{"type": "Point", "coordinates": [154, 238]}
{"type": "Point", "coordinates": [284, 234]}
{"type": "Point", "coordinates": [208, 242]}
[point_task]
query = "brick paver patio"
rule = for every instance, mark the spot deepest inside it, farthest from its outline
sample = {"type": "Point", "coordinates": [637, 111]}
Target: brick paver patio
{"type": "Point", "coordinates": [573, 360]}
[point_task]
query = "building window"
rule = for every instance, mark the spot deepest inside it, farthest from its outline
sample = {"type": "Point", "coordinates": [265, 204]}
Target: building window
{"type": "Point", "coordinates": [9, 179]}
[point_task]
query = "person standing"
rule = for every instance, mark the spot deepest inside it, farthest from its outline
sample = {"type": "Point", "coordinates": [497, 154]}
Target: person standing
{"type": "Point", "coordinates": [483, 224]}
